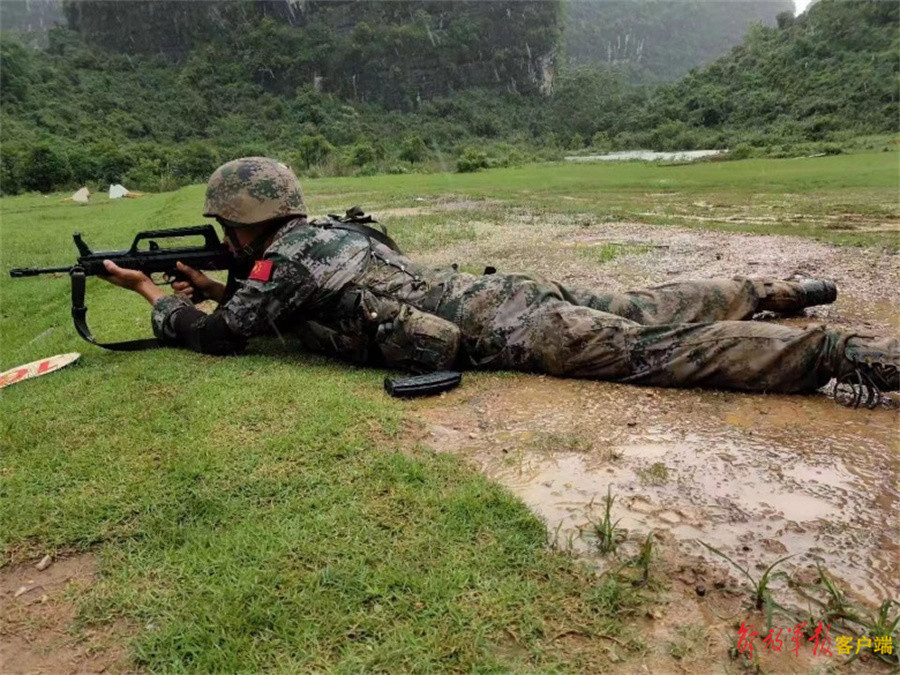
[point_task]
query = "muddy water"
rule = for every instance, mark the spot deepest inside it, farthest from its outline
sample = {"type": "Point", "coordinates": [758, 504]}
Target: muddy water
{"type": "Point", "coordinates": [758, 477]}
{"type": "Point", "coordinates": [647, 156]}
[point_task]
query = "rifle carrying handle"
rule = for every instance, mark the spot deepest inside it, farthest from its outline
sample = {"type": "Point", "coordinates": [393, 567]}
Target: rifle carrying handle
{"type": "Point", "coordinates": [208, 232]}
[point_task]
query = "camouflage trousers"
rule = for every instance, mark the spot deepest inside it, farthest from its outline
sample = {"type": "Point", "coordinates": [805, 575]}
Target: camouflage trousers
{"type": "Point", "coordinates": [690, 334]}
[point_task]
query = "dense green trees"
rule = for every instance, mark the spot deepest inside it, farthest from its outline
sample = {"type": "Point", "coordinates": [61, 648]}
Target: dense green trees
{"type": "Point", "coordinates": [832, 69]}
{"type": "Point", "coordinates": [74, 113]}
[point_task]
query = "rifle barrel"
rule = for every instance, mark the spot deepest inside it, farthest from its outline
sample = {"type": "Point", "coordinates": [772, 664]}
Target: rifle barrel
{"type": "Point", "coordinates": [34, 271]}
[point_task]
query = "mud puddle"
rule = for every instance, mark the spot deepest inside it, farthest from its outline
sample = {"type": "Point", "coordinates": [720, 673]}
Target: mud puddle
{"type": "Point", "coordinates": [758, 477]}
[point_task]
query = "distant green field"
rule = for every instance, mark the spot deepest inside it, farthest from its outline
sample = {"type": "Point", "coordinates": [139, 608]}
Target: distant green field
{"type": "Point", "coordinates": [267, 512]}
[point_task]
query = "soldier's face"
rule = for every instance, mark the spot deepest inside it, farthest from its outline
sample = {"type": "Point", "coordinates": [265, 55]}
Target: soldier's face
{"type": "Point", "coordinates": [238, 237]}
{"type": "Point", "coordinates": [230, 238]}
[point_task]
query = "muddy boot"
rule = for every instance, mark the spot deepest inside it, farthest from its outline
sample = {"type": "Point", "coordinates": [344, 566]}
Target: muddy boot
{"type": "Point", "coordinates": [786, 297]}
{"type": "Point", "coordinates": [871, 366]}
{"type": "Point", "coordinates": [818, 292]}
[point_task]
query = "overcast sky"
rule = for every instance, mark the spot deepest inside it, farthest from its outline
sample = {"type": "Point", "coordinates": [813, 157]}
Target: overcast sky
{"type": "Point", "coordinates": [801, 5]}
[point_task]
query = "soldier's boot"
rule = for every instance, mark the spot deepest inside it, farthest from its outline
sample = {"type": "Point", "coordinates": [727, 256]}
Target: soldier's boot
{"type": "Point", "coordinates": [788, 297]}
{"type": "Point", "coordinates": [819, 292]}
{"type": "Point", "coordinates": [871, 367]}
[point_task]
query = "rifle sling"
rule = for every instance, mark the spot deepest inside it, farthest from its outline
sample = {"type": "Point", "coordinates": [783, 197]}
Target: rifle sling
{"type": "Point", "coordinates": [79, 316]}
{"type": "Point", "coordinates": [79, 309]}
{"type": "Point", "coordinates": [366, 230]}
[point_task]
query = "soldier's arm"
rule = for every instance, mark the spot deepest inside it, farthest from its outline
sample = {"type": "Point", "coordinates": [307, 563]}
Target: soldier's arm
{"type": "Point", "coordinates": [260, 306]}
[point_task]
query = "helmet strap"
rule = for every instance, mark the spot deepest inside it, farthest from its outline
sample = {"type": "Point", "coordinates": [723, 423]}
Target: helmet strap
{"type": "Point", "coordinates": [256, 247]}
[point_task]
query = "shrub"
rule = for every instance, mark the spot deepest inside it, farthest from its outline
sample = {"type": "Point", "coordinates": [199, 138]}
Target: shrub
{"type": "Point", "coordinates": [83, 166]}
{"type": "Point", "coordinates": [472, 159]}
{"type": "Point", "coordinates": [152, 175]}
{"type": "Point", "coordinates": [576, 142]}
{"type": "Point", "coordinates": [366, 170]}
{"type": "Point", "coordinates": [112, 162]}
{"type": "Point", "coordinates": [9, 170]}
{"type": "Point", "coordinates": [313, 149]}
{"type": "Point", "coordinates": [195, 162]}
{"type": "Point", "coordinates": [361, 154]}
{"type": "Point", "coordinates": [413, 149]}
{"type": "Point", "coordinates": [673, 135]}
{"type": "Point", "coordinates": [43, 168]}
{"type": "Point", "coordinates": [740, 151]}
{"type": "Point", "coordinates": [600, 141]}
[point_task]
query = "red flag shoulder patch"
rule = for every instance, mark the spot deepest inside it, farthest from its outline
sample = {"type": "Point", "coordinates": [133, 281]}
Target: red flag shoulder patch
{"type": "Point", "coordinates": [262, 270]}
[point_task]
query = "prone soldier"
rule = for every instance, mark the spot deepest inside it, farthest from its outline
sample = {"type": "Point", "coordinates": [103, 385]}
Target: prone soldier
{"type": "Point", "coordinates": [347, 291]}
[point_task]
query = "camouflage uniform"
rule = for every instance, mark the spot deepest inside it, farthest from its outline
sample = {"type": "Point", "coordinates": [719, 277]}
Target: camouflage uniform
{"type": "Point", "coordinates": [350, 296]}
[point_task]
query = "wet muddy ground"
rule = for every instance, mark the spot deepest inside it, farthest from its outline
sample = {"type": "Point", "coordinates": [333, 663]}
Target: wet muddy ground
{"type": "Point", "coordinates": [757, 477]}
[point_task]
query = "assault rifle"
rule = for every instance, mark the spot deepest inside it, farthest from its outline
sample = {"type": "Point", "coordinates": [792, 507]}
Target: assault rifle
{"type": "Point", "coordinates": [152, 259]}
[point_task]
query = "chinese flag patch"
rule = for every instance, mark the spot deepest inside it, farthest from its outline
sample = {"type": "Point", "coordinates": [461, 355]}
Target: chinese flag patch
{"type": "Point", "coordinates": [262, 270]}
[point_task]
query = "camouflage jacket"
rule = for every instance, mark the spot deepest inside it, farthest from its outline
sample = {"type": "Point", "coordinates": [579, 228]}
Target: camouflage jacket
{"type": "Point", "coordinates": [343, 294]}
{"type": "Point", "coordinates": [347, 295]}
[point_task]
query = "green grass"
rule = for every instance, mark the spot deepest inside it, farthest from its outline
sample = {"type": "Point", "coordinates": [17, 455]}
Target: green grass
{"type": "Point", "coordinates": [836, 199]}
{"type": "Point", "coordinates": [263, 512]}
{"type": "Point", "coordinates": [266, 512]}
{"type": "Point", "coordinates": [609, 536]}
{"type": "Point", "coordinates": [655, 474]}
{"type": "Point", "coordinates": [604, 253]}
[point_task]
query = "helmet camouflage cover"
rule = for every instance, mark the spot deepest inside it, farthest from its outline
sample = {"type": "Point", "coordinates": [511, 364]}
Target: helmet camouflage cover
{"type": "Point", "coordinates": [252, 190]}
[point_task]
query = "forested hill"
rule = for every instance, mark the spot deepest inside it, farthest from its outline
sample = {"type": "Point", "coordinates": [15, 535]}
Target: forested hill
{"type": "Point", "coordinates": [832, 68]}
{"type": "Point", "coordinates": [394, 53]}
{"type": "Point", "coordinates": [660, 40]}
{"type": "Point", "coordinates": [646, 40]}
{"type": "Point", "coordinates": [77, 113]}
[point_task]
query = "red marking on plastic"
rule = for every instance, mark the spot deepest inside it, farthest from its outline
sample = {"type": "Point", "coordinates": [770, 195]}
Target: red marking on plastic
{"type": "Point", "coordinates": [13, 376]}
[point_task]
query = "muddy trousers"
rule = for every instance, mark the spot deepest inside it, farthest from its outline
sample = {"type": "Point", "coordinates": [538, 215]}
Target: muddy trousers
{"type": "Point", "coordinates": [681, 339]}
{"type": "Point", "coordinates": [735, 299]}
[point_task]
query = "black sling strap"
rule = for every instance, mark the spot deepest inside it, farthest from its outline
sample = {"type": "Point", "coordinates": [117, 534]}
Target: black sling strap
{"type": "Point", "coordinates": [355, 221]}
{"type": "Point", "coordinates": [79, 316]}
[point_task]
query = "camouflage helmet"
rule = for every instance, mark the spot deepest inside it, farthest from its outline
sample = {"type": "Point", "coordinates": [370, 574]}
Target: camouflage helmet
{"type": "Point", "coordinates": [252, 190]}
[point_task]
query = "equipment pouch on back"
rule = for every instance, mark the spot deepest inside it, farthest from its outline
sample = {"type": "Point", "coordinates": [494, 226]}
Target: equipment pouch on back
{"type": "Point", "coordinates": [418, 342]}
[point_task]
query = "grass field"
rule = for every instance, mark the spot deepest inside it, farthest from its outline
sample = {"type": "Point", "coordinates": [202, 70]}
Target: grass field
{"type": "Point", "coordinates": [272, 511]}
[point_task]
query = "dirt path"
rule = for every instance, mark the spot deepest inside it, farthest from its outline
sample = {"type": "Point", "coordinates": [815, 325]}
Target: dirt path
{"type": "Point", "coordinates": [566, 250]}
{"type": "Point", "coordinates": [758, 477]}
{"type": "Point", "coordinates": [38, 627]}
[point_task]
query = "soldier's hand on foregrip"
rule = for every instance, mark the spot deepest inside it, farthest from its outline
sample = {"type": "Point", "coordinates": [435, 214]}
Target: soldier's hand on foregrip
{"type": "Point", "coordinates": [124, 278]}
{"type": "Point", "coordinates": [133, 280]}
